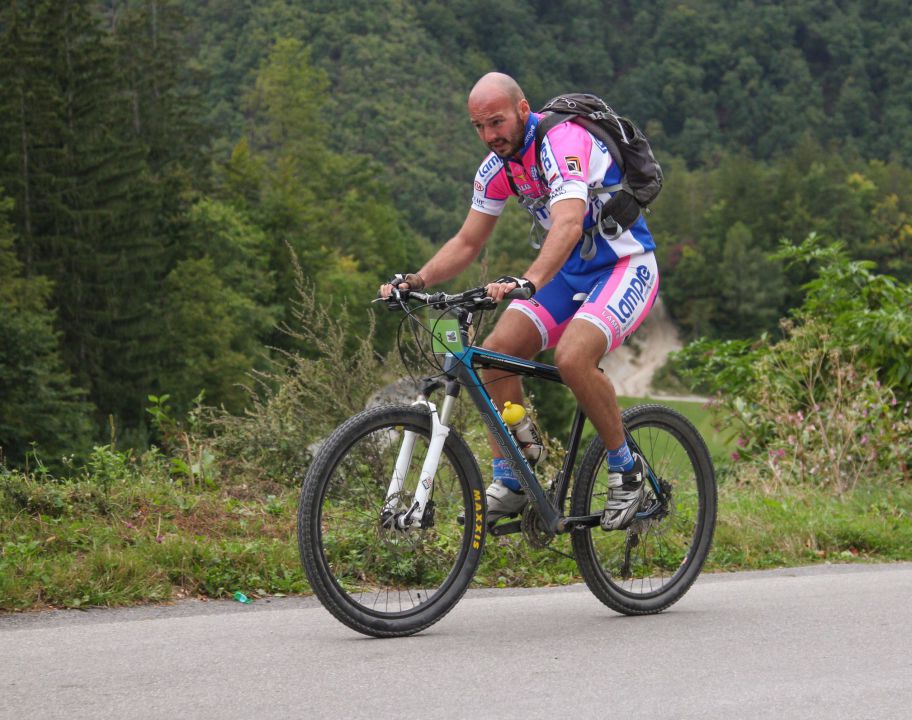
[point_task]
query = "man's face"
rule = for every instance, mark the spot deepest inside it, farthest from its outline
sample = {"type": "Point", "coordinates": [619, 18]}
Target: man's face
{"type": "Point", "coordinates": [500, 124]}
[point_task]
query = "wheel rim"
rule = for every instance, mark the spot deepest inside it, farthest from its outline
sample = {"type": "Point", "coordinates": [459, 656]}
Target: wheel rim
{"type": "Point", "coordinates": [388, 572]}
{"type": "Point", "coordinates": [653, 554]}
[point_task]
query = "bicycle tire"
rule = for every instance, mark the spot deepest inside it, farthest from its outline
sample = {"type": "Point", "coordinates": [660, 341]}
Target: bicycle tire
{"type": "Point", "coordinates": [379, 581]}
{"type": "Point", "coordinates": [626, 569]}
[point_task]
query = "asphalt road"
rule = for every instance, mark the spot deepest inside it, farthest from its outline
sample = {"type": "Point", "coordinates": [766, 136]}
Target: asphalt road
{"type": "Point", "coordinates": [824, 642]}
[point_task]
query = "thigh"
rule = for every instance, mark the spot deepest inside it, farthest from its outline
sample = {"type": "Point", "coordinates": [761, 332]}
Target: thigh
{"type": "Point", "coordinates": [549, 311]}
{"type": "Point", "coordinates": [622, 298]}
{"type": "Point", "coordinates": [581, 345]}
{"type": "Point", "coordinates": [514, 334]}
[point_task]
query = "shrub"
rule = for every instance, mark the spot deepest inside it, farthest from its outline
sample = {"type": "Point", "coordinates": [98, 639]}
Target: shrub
{"type": "Point", "coordinates": [828, 402]}
{"type": "Point", "coordinates": [306, 394]}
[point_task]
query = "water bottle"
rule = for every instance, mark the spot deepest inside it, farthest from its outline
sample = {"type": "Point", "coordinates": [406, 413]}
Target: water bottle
{"type": "Point", "coordinates": [525, 432]}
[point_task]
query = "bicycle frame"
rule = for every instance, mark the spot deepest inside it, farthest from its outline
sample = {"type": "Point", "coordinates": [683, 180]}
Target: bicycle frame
{"type": "Point", "coordinates": [460, 370]}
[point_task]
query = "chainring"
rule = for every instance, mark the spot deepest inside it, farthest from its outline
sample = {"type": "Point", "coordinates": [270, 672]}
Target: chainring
{"type": "Point", "coordinates": [533, 528]}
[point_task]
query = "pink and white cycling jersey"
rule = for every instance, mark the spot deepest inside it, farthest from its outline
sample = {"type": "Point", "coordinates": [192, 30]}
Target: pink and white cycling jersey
{"type": "Point", "coordinates": [620, 280]}
{"type": "Point", "coordinates": [573, 161]}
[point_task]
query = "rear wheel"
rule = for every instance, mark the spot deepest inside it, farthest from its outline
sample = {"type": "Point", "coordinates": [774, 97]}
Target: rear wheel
{"type": "Point", "coordinates": [651, 564]}
{"type": "Point", "coordinates": [376, 578]}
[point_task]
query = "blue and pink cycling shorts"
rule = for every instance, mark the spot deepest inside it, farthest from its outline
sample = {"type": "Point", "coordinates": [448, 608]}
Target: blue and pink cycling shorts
{"type": "Point", "coordinates": [618, 298]}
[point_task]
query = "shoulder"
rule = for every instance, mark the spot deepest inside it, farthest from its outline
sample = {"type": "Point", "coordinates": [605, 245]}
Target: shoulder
{"type": "Point", "coordinates": [570, 136]}
{"type": "Point", "coordinates": [491, 188]}
{"type": "Point", "coordinates": [488, 169]}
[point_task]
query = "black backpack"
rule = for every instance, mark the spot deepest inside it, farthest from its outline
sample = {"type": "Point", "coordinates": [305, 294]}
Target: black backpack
{"type": "Point", "coordinates": [642, 175]}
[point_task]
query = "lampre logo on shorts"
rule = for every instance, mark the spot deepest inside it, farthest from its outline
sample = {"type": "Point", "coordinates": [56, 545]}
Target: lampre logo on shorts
{"type": "Point", "coordinates": [635, 295]}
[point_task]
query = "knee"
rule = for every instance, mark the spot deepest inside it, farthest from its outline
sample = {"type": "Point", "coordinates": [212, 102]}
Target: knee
{"type": "Point", "coordinates": [572, 364]}
{"type": "Point", "coordinates": [511, 343]}
{"type": "Point", "coordinates": [497, 342]}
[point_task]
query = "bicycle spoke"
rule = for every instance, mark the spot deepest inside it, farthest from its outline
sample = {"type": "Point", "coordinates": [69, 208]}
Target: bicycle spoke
{"type": "Point", "coordinates": [640, 569]}
{"type": "Point", "coordinates": [388, 569]}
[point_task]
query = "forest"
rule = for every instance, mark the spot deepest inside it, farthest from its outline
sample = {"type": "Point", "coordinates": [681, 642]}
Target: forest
{"type": "Point", "coordinates": [166, 164]}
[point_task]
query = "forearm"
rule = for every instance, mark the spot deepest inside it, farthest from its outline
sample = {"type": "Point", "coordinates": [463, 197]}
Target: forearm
{"type": "Point", "coordinates": [454, 256]}
{"type": "Point", "coordinates": [558, 244]}
{"type": "Point", "coordinates": [565, 232]}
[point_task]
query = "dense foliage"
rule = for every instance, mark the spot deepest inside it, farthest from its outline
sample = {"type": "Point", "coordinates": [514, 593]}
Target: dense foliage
{"type": "Point", "coordinates": [163, 156]}
{"type": "Point", "coordinates": [165, 274]}
{"type": "Point", "coordinates": [830, 402]}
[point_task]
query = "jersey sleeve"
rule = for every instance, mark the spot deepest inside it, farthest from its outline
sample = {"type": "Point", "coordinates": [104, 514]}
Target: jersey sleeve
{"type": "Point", "coordinates": [565, 154]}
{"type": "Point", "coordinates": [491, 187]}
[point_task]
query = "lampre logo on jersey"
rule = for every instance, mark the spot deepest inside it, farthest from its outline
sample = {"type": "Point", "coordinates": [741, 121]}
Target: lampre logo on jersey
{"type": "Point", "coordinates": [574, 166]}
{"type": "Point", "coordinates": [490, 165]}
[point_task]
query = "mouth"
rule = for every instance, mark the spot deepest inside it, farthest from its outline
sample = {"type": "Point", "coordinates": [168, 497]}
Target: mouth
{"type": "Point", "coordinates": [500, 146]}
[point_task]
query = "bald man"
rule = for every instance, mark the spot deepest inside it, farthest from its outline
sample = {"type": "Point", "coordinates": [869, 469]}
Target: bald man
{"type": "Point", "coordinates": [565, 187]}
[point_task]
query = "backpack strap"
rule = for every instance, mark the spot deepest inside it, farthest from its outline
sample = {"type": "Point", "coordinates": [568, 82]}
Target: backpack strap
{"type": "Point", "coordinates": [536, 232]}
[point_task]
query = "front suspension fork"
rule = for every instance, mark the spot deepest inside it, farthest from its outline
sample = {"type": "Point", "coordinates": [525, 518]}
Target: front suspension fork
{"type": "Point", "coordinates": [439, 432]}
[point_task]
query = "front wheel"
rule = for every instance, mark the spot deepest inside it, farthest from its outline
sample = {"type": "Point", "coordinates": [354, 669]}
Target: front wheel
{"type": "Point", "coordinates": [652, 563]}
{"type": "Point", "coordinates": [375, 577]}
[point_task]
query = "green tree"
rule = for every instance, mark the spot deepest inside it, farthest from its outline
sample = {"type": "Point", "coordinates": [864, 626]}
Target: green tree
{"type": "Point", "coordinates": [38, 402]}
{"type": "Point", "coordinates": [211, 328]}
{"type": "Point", "coordinates": [219, 306]}
{"type": "Point", "coordinates": [330, 210]}
{"type": "Point", "coordinates": [85, 207]}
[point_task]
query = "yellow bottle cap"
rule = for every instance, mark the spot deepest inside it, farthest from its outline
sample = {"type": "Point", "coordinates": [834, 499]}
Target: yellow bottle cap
{"type": "Point", "coordinates": [513, 414]}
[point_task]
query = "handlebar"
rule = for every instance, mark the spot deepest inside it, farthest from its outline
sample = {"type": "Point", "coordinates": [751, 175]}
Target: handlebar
{"type": "Point", "coordinates": [476, 297]}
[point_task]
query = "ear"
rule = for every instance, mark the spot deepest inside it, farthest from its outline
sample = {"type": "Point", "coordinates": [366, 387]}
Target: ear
{"type": "Point", "coordinates": [524, 109]}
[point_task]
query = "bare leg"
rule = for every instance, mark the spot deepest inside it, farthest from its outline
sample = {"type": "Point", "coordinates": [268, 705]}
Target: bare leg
{"type": "Point", "coordinates": [577, 356]}
{"type": "Point", "coordinates": [515, 334]}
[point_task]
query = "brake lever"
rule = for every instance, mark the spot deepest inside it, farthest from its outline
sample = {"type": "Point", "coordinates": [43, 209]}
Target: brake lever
{"type": "Point", "coordinates": [395, 300]}
{"type": "Point", "coordinates": [484, 303]}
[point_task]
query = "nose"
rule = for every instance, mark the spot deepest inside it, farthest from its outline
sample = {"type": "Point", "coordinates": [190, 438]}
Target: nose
{"type": "Point", "coordinates": [490, 134]}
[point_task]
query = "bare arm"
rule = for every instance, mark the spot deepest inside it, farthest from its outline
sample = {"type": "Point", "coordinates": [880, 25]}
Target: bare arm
{"type": "Point", "coordinates": [566, 229]}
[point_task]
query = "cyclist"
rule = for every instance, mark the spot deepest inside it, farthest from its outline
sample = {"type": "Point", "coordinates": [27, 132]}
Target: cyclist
{"type": "Point", "coordinates": [618, 274]}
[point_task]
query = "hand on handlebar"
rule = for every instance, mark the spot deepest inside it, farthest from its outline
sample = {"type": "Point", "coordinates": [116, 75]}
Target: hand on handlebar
{"type": "Point", "coordinates": [401, 281]}
{"type": "Point", "coordinates": [510, 287]}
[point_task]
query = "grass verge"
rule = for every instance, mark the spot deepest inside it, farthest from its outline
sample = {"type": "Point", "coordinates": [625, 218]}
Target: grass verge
{"type": "Point", "coordinates": [78, 544]}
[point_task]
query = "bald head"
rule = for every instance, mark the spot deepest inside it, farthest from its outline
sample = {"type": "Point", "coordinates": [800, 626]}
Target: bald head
{"type": "Point", "coordinates": [496, 86]}
{"type": "Point", "coordinates": [499, 111]}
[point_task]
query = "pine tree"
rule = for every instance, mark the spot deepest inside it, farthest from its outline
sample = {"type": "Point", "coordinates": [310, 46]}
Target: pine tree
{"type": "Point", "coordinates": [38, 402]}
{"type": "Point", "coordinates": [84, 201]}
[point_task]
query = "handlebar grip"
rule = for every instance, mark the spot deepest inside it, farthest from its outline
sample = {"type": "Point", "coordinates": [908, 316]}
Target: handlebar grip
{"type": "Point", "coordinates": [520, 293]}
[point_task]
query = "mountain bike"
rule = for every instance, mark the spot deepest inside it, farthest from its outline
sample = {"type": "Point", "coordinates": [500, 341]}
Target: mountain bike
{"type": "Point", "coordinates": [391, 519]}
